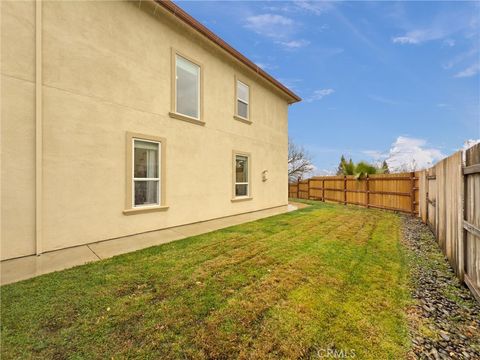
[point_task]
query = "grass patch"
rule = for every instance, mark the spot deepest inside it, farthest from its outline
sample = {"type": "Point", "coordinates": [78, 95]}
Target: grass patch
{"type": "Point", "coordinates": [327, 277]}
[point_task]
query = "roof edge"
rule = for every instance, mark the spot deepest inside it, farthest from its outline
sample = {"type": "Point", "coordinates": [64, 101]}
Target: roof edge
{"type": "Point", "coordinates": [191, 21]}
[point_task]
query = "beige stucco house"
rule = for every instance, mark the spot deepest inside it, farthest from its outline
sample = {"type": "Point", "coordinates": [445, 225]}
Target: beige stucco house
{"type": "Point", "coordinates": [125, 117]}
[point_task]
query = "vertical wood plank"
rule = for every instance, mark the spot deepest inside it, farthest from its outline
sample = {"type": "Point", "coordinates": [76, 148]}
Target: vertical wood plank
{"type": "Point", "coordinates": [323, 190]}
{"type": "Point", "coordinates": [368, 191]}
{"type": "Point", "coordinates": [308, 189]}
{"type": "Point", "coordinates": [461, 230]}
{"type": "Point", "coordinates": [412, 192]}
{"type": "Point", "coordinates": [472, 215]}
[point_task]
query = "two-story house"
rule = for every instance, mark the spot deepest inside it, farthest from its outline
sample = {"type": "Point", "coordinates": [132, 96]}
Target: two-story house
{"type": "Point", "coordinates": [123, 117]}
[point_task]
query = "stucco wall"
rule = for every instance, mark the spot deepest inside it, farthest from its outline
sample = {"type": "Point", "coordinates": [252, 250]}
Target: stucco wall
{"type": "Point", "coordinates": [17, 128]}
{"type": "Point", "coordinates": [106, 71]}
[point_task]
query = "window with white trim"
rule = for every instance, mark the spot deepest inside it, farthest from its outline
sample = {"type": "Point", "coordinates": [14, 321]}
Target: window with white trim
{"type": "Point", "coordinates": [187, 87]}
{"type": "Point", "coordinates": [242, 186]}
{"type": "Point", "coordinates": [243, 97]}
{"type": "Point", "coordinates": [146, 173]}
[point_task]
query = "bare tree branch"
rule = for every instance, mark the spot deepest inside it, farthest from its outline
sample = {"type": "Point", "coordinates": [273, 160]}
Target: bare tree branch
{"type": "Point", "coordinates": [299, 162]}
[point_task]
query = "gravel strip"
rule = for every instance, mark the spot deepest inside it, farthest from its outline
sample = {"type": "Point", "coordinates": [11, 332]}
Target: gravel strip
{"type": "Point", "coordinates": [444, 317]}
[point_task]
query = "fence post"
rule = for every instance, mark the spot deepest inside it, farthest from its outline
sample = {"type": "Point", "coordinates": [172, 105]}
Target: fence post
{"type": "Point", "coordinates": [323, 190]}
{"type": "Point", "coordinates": [344, 189]}
{"type": "Point", "coordinates": [412, 192]}
{"type": "Point", "coordinates": [426, 202]}
{"type": "Point", "coordinates": [308, 194]}
{"type": "Point", "coordinates": [298, 188]}
{"type": "Point", "coordinates": [368, 191]}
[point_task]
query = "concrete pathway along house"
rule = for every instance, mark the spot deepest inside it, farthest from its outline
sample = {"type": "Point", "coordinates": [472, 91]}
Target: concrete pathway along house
{"type": "Point", "coordinates": [30, 266]}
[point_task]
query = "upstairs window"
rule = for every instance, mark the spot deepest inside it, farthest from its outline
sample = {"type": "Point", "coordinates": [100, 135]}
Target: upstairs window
{"type": "Point", "coordinates": [187, 87]}
{"type": "Point", "coordinates": [242, 176]}
{"type": "Point", "coordinates": [243, 100]}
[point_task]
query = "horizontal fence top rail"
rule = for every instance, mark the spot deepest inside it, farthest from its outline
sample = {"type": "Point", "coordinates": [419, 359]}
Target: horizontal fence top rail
{"type": "Point", "coordinates": [472, 169]}
{"type": "Point", "coordinates": [350, 178]}
{"type": "Point", "coordinates": [471, 229]}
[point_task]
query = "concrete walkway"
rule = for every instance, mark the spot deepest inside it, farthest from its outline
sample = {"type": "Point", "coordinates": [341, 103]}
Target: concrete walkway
{"type": "Point", "coordinates": [296, 205]}
{"type": "Point", "coordinates": [31, 266]}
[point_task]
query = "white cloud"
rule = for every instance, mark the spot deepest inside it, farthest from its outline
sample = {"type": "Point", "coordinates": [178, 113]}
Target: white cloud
{"type": "Point", "coordinates": [419, 36]}
{"type": "Point", "coordinates": [266, 66]}
{"type": "Point", "coordinates": [294, 44]}
{"type": "Point", "coordinates": [441, 28]}
{"type": "Point", "coordinates": [447, 28]}
{"type": "Point", "coordinates": [461, 57]}
{"type": "Point", "coordinates": [315, 7]}
{"type": "Point", "coordinates": [449, 42]}
{"type": "Point", "coordinates": [291, 83]}
{"type": "Point", "coordinates": [469, 143]}
{"type": "Point", "coordinates": [374, 154]}
{"type": "Point", "coordinates": [405, 40]}
{"type": "Point", "coordinates": [284, 7]}
{"type": "Point", "coordinates": [324, 172]}
{"type": "Point", "coordinates": [277, 27]}
{"type": "Point", "coordinates": [409, 154]}
{"type": "Point", "coordinates": [319, 94]}
{"type": "Point", "coordinates": [271, 25]}
{"type": "Point", "coordinates": [469, 71]}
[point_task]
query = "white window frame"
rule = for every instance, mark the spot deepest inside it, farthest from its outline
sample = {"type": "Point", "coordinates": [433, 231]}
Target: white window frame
{"type": "Point", "coordinates": [249, 176]}
{"type": "Point", "coordinates": [176, 55]}
{"type": "Point", "coordinates": [157, 179]}
{"type": "Point", "coordinates": [237, 99]}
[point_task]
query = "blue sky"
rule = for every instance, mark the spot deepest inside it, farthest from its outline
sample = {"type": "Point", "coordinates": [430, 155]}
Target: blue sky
{"type": "Point", "coordinates": [378, 79]}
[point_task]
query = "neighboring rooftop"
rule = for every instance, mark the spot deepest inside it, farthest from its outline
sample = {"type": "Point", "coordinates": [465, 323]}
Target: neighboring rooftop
{"type": "Point", "coordinates": [189, 20]}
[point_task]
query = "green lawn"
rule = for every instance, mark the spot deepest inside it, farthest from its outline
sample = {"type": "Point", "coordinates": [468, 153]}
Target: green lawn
{"type": "Point", "coordinates": [325, 278]}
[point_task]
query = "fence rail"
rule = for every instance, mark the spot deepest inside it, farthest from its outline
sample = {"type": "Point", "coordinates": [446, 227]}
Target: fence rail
{"type": "Point", "coordinates": [398, 192]}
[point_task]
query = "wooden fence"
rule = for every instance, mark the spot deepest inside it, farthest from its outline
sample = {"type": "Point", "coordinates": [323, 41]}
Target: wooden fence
{"type": "Point", "coordinates": [450, 204]}
{"type": "Point", "coordinates": [398, 192]}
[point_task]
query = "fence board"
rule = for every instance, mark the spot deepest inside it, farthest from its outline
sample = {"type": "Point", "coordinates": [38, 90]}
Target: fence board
{"type": "Point", "coordinates": [422, 195]}
{"type": "Point", "coordinates": [431, 199]}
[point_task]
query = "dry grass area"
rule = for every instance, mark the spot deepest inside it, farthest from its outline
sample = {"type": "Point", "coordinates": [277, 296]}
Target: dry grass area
{"type": "Point", "coordinates": [325, 279]}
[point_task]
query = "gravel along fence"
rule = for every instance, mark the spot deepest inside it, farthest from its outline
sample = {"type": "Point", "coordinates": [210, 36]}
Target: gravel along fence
{"type": "Point", "coordinates": [444, 318]}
